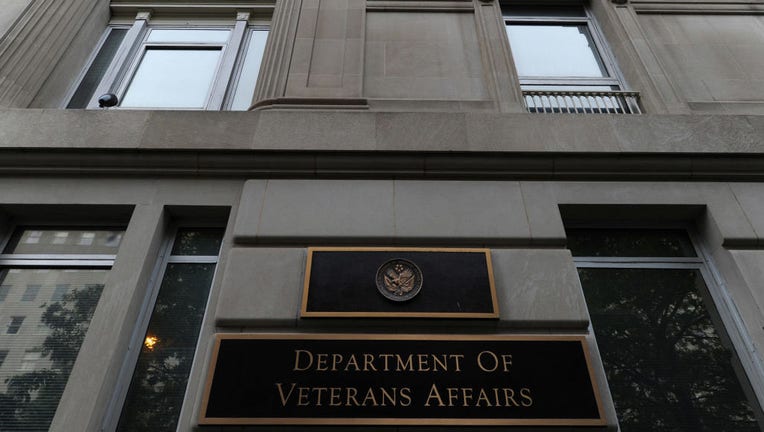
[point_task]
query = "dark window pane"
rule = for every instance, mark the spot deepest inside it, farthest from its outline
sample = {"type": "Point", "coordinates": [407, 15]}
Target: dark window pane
{"type": "Point", "coordinates": [93, 76]}
{"type": "Point", "coordinates": [666, 366]}
{"type": "Point", "coordinates": [3, 355]}
{"type": "Point", "coordinates": [159, 382]}
{"type": "Point", "coordinates": [14, 325]}
{"type": "Point", "coordinates": [629, 243]}
{"type": "Point", "coordinates": [198, 241]}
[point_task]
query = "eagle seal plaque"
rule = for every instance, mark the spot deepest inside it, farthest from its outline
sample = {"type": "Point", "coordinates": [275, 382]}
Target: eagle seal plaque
{"type": "Point", "coordinates": [399, 280]}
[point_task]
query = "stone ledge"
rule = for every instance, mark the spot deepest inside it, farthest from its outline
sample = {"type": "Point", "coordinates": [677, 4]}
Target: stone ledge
{"type": "Point", "coordinates": [337, 130]}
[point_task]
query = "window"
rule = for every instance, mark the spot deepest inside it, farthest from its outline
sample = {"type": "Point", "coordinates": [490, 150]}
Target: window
{"type": "Point", "coordinates": [30, 293]}
{"type": "Point", "coordinates": [558, 51]}
{"type": "Point", "coordinates": [169, 67]}
{"type": "Point", "coordinates": [14, 325]}
{"type": "Point", "coordinates": [3, 356]}
{"type": "Point", "coordinates": [59, 292]}
{"type": "Point", "coordinates": [669, 362]}
{"type": "Point", "coordinates": [158, 383]}
{"type": "Point", "coordinates": [49, 318]}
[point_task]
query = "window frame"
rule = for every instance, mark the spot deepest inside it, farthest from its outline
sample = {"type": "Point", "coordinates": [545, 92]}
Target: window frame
{"type": "Point", "coordinates": [130, 361]}
{"type": "Point", "coordinates": [144, 46]}
{"type": "Point", "coordinates": [120, 73]}
{"type": "Point", "coordinates": [55, 260]}
{"type": "Point", "coordinates": [614, 79]}
{"type": "Point", "coordinates": [233, 85]}
{"type": "Point", "coordinates": [732, 332]}
{"type": "Point", "coordinates": [89, 63]}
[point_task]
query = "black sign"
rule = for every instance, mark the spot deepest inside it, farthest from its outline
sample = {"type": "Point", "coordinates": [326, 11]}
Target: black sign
{"type": "Point", "coordinates": [401, 380]}
{"type": "Point", "coordinates": [399, 282]}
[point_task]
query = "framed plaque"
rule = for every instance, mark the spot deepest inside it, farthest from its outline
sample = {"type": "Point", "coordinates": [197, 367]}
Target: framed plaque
{"type": "Point", "coordinates": [401, 379]}
{"type": "Point", "coordinates": [399, 282]}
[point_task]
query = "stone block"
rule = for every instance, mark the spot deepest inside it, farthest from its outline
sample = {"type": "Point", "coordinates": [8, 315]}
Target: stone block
{"type": "Point", "coordinates": [531, 295]}
{"type": "Point", "coordinates": [315, 131]}
{"type": "Point", "coordinates": [199, 129]}
{"type": "Point", "coordinates": [325, 210]}
{"type": "Point", "coordinates": [453, 212]}
{"type": "Point", "coordinates": [261, 287]}
{"type": "Point", "coordinates": [750, 196]}
{"type": "Point", "coordinates": [434, 132]}
{"type": "Point", "coordinates": [250, 209]}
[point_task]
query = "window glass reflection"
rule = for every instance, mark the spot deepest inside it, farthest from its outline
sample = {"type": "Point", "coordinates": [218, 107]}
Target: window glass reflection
{"type": "Point", "coordinates": [666, 366]}
{"type": "Point", "coordinates": [47, 332]}
{"type": "Point", "coordinates": [198, 241]}
{"type": "Point", "coordinates": [629, 243]}
{"type": "Point", "coordinates": [554, 50]}
{"type": "Point", "coordinates": [172, 78]}
{"type": "Point", "coordinates": [57, 241]}
{"type": "Point", "coordinates": [159, 382]}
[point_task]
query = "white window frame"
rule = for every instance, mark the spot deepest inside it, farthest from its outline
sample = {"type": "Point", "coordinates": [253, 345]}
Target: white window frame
{"type": "Point", "coordinates": [118, 75]}
{"type": "Point", "coordinates": [614, 78]}
{"type": "Point", "coordinates": [734, 329]}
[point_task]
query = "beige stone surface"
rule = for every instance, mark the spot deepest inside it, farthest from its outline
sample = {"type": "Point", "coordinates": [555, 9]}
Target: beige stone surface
{"type": "Point", "coordinates": [261, 287]}
{"type": "Point", "coordinates": [532, 296]}
{"type": "Point", "coordinates": [710, 58]}
{"type": "Point", "coordinates": [422, 55]}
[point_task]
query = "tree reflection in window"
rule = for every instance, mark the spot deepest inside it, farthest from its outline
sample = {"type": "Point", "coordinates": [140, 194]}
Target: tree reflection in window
{"type": "Point", "coordinates": [31, 398]}
{"type": "Point", "coordinates": [158, 386]}
{"type": "Point", "coordinates": [666, 365]}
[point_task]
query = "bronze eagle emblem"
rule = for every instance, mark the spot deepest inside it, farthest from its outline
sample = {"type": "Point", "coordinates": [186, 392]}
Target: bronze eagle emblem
{"type": "Point", "coordinates": [399, 279]}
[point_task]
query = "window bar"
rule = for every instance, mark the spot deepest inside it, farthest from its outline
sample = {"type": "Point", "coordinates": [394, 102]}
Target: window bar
{"type": "Point", "coordinates": [229, 60]}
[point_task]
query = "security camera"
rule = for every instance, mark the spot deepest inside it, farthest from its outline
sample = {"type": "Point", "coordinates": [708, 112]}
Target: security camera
{"type": "Point", "coordinates": [108, 100]}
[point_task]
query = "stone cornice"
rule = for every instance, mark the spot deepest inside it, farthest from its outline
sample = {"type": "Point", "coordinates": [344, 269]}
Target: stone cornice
{"type": "Point", "coordinates": [380, 165]}
{"type": "Point", "coordinates": [328, 144]}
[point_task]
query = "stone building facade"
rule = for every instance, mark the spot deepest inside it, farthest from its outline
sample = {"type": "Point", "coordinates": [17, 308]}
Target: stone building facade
{"type": "Point", "coordinates": [378, 123]}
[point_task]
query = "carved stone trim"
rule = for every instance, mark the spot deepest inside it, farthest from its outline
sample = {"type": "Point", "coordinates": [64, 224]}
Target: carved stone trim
{"type": "Point", "coordinates": [751, 7]}
{"type": "Point", "coordinates": [278, 51]}
{"type": "Point", "coordinates": [35, 43]}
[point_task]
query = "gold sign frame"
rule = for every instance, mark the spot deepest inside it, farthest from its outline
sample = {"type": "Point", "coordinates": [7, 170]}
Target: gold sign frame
{"type": "Point", "coordinates": [322, 421]}
{"type": "Point", "coordinates": [304, 313]}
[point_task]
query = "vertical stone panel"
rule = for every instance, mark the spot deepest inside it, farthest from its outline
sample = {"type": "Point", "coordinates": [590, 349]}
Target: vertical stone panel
{"type": "Point", "coordinates": [278, 53]}
{"type": "Point", "coordinates": [431, 55]}
{"type": "Point", "coordinates": [35, 43]}
{"type": "Point", "coordinates": [501, 77]}
{"type": "Point", "coordinates": [328, 50]}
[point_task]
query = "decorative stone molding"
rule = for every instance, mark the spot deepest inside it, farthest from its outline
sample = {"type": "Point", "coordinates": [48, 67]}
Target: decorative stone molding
{"type": "Point", "coordinates": [34, 45]}
{"type": "Point", "coordinates": [271, 83]}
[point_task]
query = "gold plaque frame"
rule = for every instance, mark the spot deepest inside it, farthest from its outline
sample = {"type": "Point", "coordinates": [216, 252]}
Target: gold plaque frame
{"type": "Point", "coordinates": [389, 421]}
{"type": "Point", "coordinates": [304, 313]}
